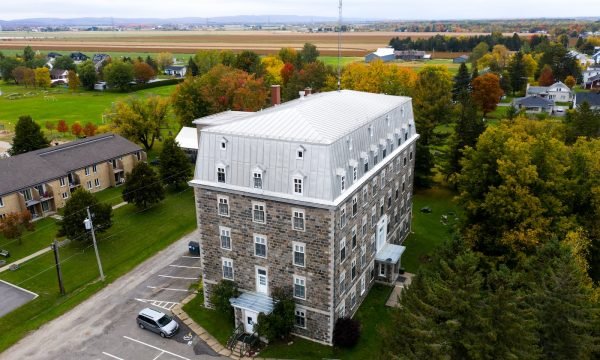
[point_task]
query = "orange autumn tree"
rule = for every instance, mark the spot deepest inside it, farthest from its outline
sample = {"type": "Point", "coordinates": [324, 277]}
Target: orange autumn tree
{"type": "Point", "coordinates": [143, 72]}
{"type": "Point", "coordinates": [76, 129]}
{"type": "Point", "coordinates": [62, 127]}
{"type": "Point", "coordinates": [546, 76]}
{"type": "Point", "coordinates": [89, 129]}
{"type": "Point", "coordinates": [487, 92]}
{"type": "Point", "coordinates": [14, 225]}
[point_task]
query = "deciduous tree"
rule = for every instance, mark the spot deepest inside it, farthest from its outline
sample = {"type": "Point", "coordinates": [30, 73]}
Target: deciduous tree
{"type": "Point", "coordinates": [175, 169]}
{"type": "Point", "coordinates": [119, 75]}
{"type": "Point", "coordinates": [143, 72]}
{"type": "Point", "coordinates": [28, 136]}
{"type": "Point", "coordinates": [13, 225]}
{"type": "Point", "coordinates": [75, 213]}
{"type": "Point", "coordinates": [50, 126]}
{"type": "Point", "coordinates": [164, 59]}
{"type": "Point", "coordinates": [487, 92]}
{"type": "Point", "coordinates": [142, 186]}
{"type": "Point", "coordinates": [308, 54]}
{"type": "Point", "coordinates": [64, 63]}
{"type": "Point", "coordinates": [89, 129]}
{"type": "Point", "coordinates": [546, 76]}
{"type": "Point", "coordinates": [570, 81]}
{"type": "Point", "coordinates": [76, 129]}
{"type": "Point", "coordinates": [250, 62]}
{"type": "Point", "coordinates": [42, 77]}
{"type": "Point", "coordinates": [87, 74]}
{"type": "Point", "coordinates": [73, 81]}
{"type": "Point", "coordinates": [62, 127]}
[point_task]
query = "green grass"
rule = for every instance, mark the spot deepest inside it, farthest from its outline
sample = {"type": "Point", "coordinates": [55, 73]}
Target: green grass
{"type": "Point", "coordinates": [428, 231]}
{"type": "Point", "coordinates": [134, 237]}
{"type": "Point", "coordinates": [374, 317]}
{"type": "Point", "coordinates": [418, 65]}
{"type": "Point", "coordinates": [345, 60]}
{"type": "Point", "coordinates": [112, 196]}
{"type": "Point", "coordinates": [216, 323]}
{"type": "Point", "coordinates": [113, 54]}
{"type": "Point", "coordinates": [32, 241]}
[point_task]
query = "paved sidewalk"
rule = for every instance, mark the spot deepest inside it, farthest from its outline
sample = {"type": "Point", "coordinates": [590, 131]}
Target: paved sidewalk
{"type": "Point", "coordinates": [403, 282]}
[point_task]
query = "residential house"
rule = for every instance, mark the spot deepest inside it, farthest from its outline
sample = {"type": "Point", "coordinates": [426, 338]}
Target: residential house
{"type": "Point", "coordinates": [59, 76]}
{"type": "Point", "coordinates": [383, 54]}
{"type": "Point", "coordinates": [41, 181]}
{"type": "Point", "coordinates": [313, 195]}
{"type": "Point", "coordinates": [596, 57]}
{"type": "Point", "coordinates": [590, 72]}
{"type": "Point", "coordinates": [53, 55]}
{"type": "Point", "coordinates": [583, 59]}
{"type": "Point", "coordinates": [534, 104]}
{"type": "Point", "coordinates": [99, 60]}
{"type": "Point", "coordinates": [593, 82]}
{"type": "Point", "coordinates": [411, 55]}
{"type": "Point", "coordinates": [461, 59]}
{"type": "Point", "coordinates": [592, 98]}
{"type": "Point", "coordinates": [558, 92]}
{"type": "Point", "coordinates": [176, 70]}
{"type": "Point", "coordinates": [78, 57]}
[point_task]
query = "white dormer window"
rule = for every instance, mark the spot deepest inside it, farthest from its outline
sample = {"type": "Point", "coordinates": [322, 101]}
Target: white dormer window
{"type": "Point", "coordinates": [387, 120]}
{"type": "Point", "coordinates": [300, 153]}
{"type": "Point", "coordinates": [224, 143]}
{"type": "Point", "coordinates": [349, 142]}
{"type": "Point", "coordinates": [221, 176]}
{"type": "Point", "coordinates": [298, 185]}
{"type": "Point", "coordinates": [354, 173]}
{"type": "Point", "coordinates": [257, 178]}
{"type": "Point", "coordinates": [342, 183]}
{"type": "Point", "coordinates": [402, 112]}
{"type": "Point", "coordinates": [371, 130]}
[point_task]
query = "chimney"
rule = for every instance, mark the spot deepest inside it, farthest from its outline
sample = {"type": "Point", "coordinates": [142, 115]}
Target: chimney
{"type": "Point", "coordinates": [275, 95]}
{"type": "Point", "coordinates": [308, 91]}
{"type": "Point", "coordinates": [301, 93]}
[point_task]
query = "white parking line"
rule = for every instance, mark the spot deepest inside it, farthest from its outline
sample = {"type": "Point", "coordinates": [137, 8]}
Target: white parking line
{"type": "Point", "coordinates": [156, 348]}
{"type": "Point", "coordinates": [179, 277]}
{"type": "Point", "coordinates": [159, 288]}
{"type": "Point", "coordinates": [191, 257]}
{"type": "Point", "coordinates": [186, 267]}
{"type": "Point", "coordinates": [157, 356]}
{"type": "Point", "coordinates": [167, 305]}
{"type": "Point", "coordinates": [112, 356]}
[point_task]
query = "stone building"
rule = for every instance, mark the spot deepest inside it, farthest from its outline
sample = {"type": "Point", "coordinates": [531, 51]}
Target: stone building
{"type": "Point", "coordinates": [42, 181]}
{"type": "Point", "coordinates": [314, 195]}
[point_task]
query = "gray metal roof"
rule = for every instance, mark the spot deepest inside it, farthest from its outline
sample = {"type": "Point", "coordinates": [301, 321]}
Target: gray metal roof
{"type": "Point", "coordinates": [593, 99]}
{"type": "Point", "coordinates": [390, 253]}
{"type": "Point", "coordinates": [222, 118]}
{"type": "Point", "coordinates": [253, 301]}
{"type": "Point", "coordinates": [36, 167]}
{"type": "Point", "coordinates": [534, 90]}
{"type": "Point", "coordinates": [319, 119]}
{"type": "Point", "coordinates": [534, 101]}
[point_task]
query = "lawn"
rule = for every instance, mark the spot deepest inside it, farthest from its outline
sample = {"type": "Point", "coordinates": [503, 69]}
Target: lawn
{"type": "Point", "coordinates": [112, 196]}
{"type": "Point", "coordinates": [374, 317]}
{"type": "Point", "coordinates": [134, 237]}
{"type": "Point", "coordinates": [32, 241]}
{"type": "Point", "coordinates": [216, 323]}
{"type": "Point", "coordinates": [418, 65]}
{"type": "Point", "coordinates": [344, 60]}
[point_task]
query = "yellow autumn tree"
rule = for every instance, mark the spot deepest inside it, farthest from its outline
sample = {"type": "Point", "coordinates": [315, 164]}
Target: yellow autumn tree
{"type": "Point", "coordinates": [378, 77]}
{"type": "Point", "coordinates": [42, 77]}
{"type": "Point", "coordinates": [530, 65]}
{"type": "Point", "coordinates": [272, 66]}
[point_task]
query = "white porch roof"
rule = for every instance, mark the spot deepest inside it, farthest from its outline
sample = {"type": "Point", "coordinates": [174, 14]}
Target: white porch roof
{"type": "Point", "coordinates": [252, 301]}
{"type": "Point", "coordinates": [390, 253]}
{"type": "Point", "coordinates": [187, 138]}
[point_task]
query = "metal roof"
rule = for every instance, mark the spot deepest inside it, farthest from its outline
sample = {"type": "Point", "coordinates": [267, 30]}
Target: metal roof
{"type": "Point", "coordinates": [222, 118]}
{"type": "Point", "coordinates": [390, 253]}
{"type": "Point", "coordinates": [253, 301]}
{"type": "Point", "coordinates": [187, 138]}
{"type": "Point", "coordinates": [534, 101]}
{"type": "Point", "coordinates": [534, 90]}
{"type": "Point", "coordinates": [320, 118]}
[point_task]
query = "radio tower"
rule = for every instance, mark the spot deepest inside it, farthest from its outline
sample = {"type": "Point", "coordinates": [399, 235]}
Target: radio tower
{"type": "Point", "coordinates": [340, 48]}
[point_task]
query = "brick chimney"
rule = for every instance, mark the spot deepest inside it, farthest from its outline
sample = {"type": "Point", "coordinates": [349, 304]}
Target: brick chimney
{"type": "Point", "coordinates": [308, 91]}
{"type": "Point", "coordinates": [275, 95]}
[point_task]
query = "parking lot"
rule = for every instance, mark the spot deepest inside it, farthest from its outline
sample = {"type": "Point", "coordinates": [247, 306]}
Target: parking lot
{"type": "Point", "coordinates": [104, 327]}
{"type": "Point", "coordinates": [12, 296]}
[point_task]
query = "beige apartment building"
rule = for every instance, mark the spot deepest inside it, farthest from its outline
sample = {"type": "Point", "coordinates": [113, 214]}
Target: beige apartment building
{"type": "Point", "coordinates": [41, 181]}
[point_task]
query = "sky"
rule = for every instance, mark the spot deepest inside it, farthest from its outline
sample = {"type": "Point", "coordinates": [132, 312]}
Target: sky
{"type": "Point", "coordinates": [359, 9]}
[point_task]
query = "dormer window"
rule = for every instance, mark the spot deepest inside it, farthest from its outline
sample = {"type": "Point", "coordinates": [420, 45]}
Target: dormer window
{"type": "Point", "coordinates": [224, 143]}
{"type": "Point", "coordinates": [371, 130]}
{"type": "Point", "coordinates": [221, 174]}
{"type": "Point", "coordinates": [300, 153]}
{"type": "Point", "coordinates": [349, 142]}
{"type": "Point", "coordinates": [257, 180]}
{"type": "Point", "coordinates": [298, 185]}
{"type": "Point", "coordinates": [387, 120]}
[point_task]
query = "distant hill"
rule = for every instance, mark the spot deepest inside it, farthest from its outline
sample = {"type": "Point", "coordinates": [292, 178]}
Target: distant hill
{"type": "Point", "coordinates": [229, 20]}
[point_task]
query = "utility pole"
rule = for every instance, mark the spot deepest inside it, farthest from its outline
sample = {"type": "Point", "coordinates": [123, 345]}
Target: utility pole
{"type": "Point", "coordinates": [89, 225]}
{"type": "Point", "coordinates": [54, 247]}
{"type": "Point", "coordinates": [339, 65]}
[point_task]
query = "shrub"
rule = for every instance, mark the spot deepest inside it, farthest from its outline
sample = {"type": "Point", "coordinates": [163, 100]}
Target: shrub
{"type": "Point", "coordinates": [346, 332]}
{"type": "Point", "coordinates": [280, 323]}
{"type": "Point", "coordinates": [221, 294]}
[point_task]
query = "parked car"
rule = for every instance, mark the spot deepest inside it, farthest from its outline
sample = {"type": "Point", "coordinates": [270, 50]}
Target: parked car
{"type": "Point", "coordinates": [157, 322]}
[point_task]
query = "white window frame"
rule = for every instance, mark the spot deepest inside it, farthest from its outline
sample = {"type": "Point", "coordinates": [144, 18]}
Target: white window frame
{"type": "Point", "coordinates": [261, 240]}
{"type": "Point", "coordinates": [97, 182]}
{"type": "Point", "coordinates": [87, 171]}
{"type": "Point", "coordinates": [354, 173]}
{"type": "Point", "coordinates": [224, 172]}
{"type": "Point", "coordinates": [300, 313]}
{"type": "Point", "coordinates": [374, 216]}
{"type": "Point", "coordinates": [1, 202]}
{"type": "Point", "coordinates": [383, 179]}
{"type": "Point", "coordinates": [298, 214]}
{"type": "Point", "coordinates": [354, 205]}
{"type": "Point", "coordinates": [257, 175]}
{"type": "Point", "coordinates": [354, 238]}
{"type": "Point", "coordinates": [365, 195]}
{"type": "Point", "coordinates": [225, 232]}
{"type": "Point", "coordinates": [343, 251]}
{"type": "Point", "coordinates": [65, 195]}
{"type": "Point", "coordinates": [363, 256]}
{"type": "Point", "coordinates": [364, 226]}
{"type": "Point", "coordinates": [300, 153]}
{"type": "Point", "coordinates": [353, 269]}
{"type": "Point", "coordinates": [342, 309]}
{"type": "Point", "coordinates": [363, 285]}
{"type": "Point", "coordinates": [343, 218]}
{"type": "Point", "coordinates": [62, 182]}
{"type": "Point", "coordinates": [226, 262]}
{"type": "Point", "coordinates": [342, 183]}
{"type": "Point", "coordinates": [374, 184]}
{"type": "Point", "coordinates": [298, 182]}
{"type": "Point", "coordinates": [223, 144]}
{"type": "Point", "coordinates": [342, 282]}
{"type": "Point", "coordinates": [223, 200]}
{"type": "Point", "coordinates": [89, 185]}
{"type": "Point", "coordinates": [95, 168]}
{"type": "Point", "coordinates": [300, 281]}
{"type": "Point", "coordinates": [258, 207]}
{"type": "Point", "coordinates": [353, 301]}
{"type": "Point", "coordinates": [300, 248]}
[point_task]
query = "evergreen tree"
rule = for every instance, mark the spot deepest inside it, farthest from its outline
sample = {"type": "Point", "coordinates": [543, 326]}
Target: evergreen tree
{"type": "Point", "coordinates": [75, 213]}
{"type": "Point", "coordinates": [308, 54]}
{"type": "Point", "coordinates": [511, 112]}
{"type": "Point", "coordinates": [150, 61]}
{"type": "Point", "coordinates": [518, 78]}
{"type": "Point", "coordinates": [469, 126]}
{"type": "Point", "coordinates": [28, 53]}
{"type": "Point", "coordinates": [192, 67]}
{"type": "Point", "coordinates": [474, 73]}
{"type": "Point", "coordinates": [142, 186]}
{"type": "Point", "coordinates": [584, 121]}
{"type": "Point", "coordinates": [175, 166]}
{"type": "Point", "coordinates": [461, 90]}
{"type": "Point", "coordinates": [28, 137]}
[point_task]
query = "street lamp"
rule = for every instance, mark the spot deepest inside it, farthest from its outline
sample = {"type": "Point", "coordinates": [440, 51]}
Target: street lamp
{"type": "Point", "coordinates": [89, 225]}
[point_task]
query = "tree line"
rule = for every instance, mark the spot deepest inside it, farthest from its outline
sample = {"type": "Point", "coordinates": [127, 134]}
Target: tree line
{"type": "Point", "coordinates": [463, 43]}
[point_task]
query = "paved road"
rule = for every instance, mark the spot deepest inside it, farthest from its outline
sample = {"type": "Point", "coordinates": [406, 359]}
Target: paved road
{"type": "Point", "coordinates": [11, 297]}
{"type": "Point", "coordinates": [104, 327]}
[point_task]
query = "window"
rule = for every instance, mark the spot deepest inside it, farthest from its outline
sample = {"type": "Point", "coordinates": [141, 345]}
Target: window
{"type": "Point", "coordinates": [260, 246]}
{"type": "Point", "coordinates": [299, 287]}
{"type": "Point", "coordinates": [349, 141]}
{"type": "Point", "coordinates": [27, 195]}
{"type": "Point", "coordinates": [399, 141]}
{"type": "Point", "coordinates": [372, 272]}
{"type": "Point", "coordinates": [363, 256]}
{"type": "Point", "coordinates": [223, 203]}
{"type": "Point", "coordinates": [375, 160]}
{"type": "Point", "coordinates": [221, 174]}
{"type": "Point", "coordinates": [227, 268]}
{"type": "Point", "coordinates": [62, 182]}
{"type": "Point", "coordinates": [396, 216]}
{"type": "Point", "coordinates": [381, 206]}
{"type": "Point", "coordinates": [373, 216]}
{"type": "Point", "coordinates": [353, 271]}
{"type": "Point", "coordinates": [366, 165]}
{"type": "Point", "coordinates": [397, 191]}
{"type": "Point", "coordinates": [342, 216]}
{"type": "Point", "coordinates": [342, 183]}
{"type": "Point", "coordinates": [343, 282]}
{"type": "Point", "coordinates": [389, 199]}
{"type": "Point", "coordinates": [363, 286]}
{"type": "Point", "coordinates": [300, 153]}
{"type": "Point", "coordinates": [374, 185]}
{"type": "Point", "coordinates": [354, 173]}
{"type": "Point", "coordinates": [1, 202]}
{"type": "Point", "coordinates": [353, 298]}
{"type": "Point", "coordinates": [97, 182]}
{"type": "Point", "coordinates": [365, 193]}
{"type": "Point", "coordinates": [410, 156]}
{"type": "Point", "coordinates": [373, 243]}
{"type": "Point", "coordinates": [94, 168]}
{"type": "Point", "coordinates": [138, 155]}
{"type": "Point", "coordinates": [298, 219]}
{"type": "Point", "coordinates": [300, 319]}
{"type": "Point", "coordinates": [364, 226]}
{"type": "Point", "coordinates": [257, 180]}
{"type": "Point", "coordinates": [342, 250]}
{"type": "Point", "coordinates": [342, 310]}
{"type": "Point", "coordinates": [406, 136]}
{"type": "Point", "coordinates": [223, 144]}
{"type": "Point", "coordinates": [371, 130]}
{"type": "Point", "coordinates": [405, 161]}
{"type": "Point", "coordinates": [258, 212]}
{"type": "Point", "coordinates": [403, 184]}
{"type": "Point", "coordinates": [381, 269]}
{"type": "Point", "coordinates": [299, 253]}
{"type": "Point", "coordinates": [89, 185]}
{"type": "Point", "coordinates": [298, 186]}
{"type": "Point", "coordinates": [354, 242]}
{"type": "Point", "coordinates": [65, 195]}
{"type": "Point", "coordinates": [382, 178]}
{"type": "Point", "coordinates": [384, 152]}
{"type": "Point", "coordinates": [225, 237]}
{"type": "Point", "coordinates": [87, 171]}
{"type": "Point", "coordinates": [354, 205]}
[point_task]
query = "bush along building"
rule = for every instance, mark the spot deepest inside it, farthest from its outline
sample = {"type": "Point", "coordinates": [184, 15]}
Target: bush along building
{"type": "Point", "coordinates": [314, 195]}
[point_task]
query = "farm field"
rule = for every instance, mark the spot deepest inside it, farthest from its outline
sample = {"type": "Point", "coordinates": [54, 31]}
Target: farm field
{"type": "Point", "coordinates": [263, 42]}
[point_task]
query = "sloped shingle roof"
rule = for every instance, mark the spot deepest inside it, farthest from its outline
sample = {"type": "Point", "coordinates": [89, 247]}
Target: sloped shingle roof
{"type": "Point", "coordinates": [591, 98]}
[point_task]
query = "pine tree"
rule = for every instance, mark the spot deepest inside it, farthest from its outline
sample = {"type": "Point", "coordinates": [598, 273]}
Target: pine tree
{"type": "Point", "coordinates": [461, 90]}
{"type": "Point", "coordinates": [469, 126]}
{"type": "Point", "coordinates": [175, 169]}
{"type": "Point", "coordinates": [583, 122]}
{"type": "Point", "coordinates": [474, 73]}
{"type": "Point", "coordinates": [150, 61]}
{"type": "Point", "coordinates": [28, 137]}
{"type": "Point", "coordinates": [192, 67]}
{"type": "Point", "coordinates": [518, 79]}
{"type": "Point", "coordinates": [142, 186]}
